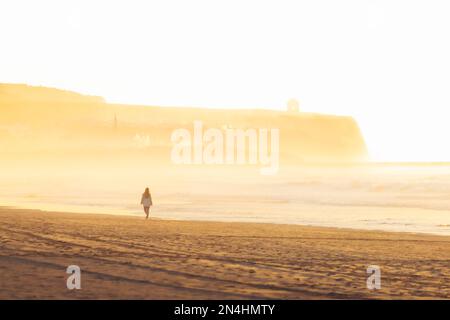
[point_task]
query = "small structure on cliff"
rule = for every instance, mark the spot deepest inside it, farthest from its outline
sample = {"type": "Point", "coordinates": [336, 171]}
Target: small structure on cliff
{"type": "Point", "coordinates": [293, 106]}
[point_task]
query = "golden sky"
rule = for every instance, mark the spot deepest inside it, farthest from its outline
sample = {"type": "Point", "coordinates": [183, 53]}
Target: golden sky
{"type": "Point", "coordinates": [384, 62]}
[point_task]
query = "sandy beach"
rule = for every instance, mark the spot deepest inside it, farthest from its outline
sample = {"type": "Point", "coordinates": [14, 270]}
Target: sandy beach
{"type": "Point", "coordinates": [129, 258]}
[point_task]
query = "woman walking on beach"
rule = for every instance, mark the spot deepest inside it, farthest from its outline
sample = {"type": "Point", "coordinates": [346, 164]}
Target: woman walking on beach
{"type": "Point", "coordinates": [146, 201]}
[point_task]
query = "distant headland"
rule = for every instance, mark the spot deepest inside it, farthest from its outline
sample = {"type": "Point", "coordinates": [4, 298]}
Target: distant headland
{"type": "Point", "coordinates": [35, 119]}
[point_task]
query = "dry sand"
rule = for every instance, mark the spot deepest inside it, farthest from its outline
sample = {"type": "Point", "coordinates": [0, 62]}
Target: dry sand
{"type": "Point", "coordinates": [130, 258]}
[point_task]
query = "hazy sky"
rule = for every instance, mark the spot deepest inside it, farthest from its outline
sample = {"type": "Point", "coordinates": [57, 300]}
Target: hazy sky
{"type": "Point", "coordinates": [387, 63]}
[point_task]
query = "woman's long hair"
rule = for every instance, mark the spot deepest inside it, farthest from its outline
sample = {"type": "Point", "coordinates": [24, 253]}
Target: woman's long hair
{"type": "Point", "coordinates": [146, 193]}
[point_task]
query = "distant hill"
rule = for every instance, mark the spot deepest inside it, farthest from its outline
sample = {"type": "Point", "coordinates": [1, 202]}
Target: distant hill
{"type": "Point", "coordinates": [11, 93]}
{"type": "Point", "coordinates": [40, 119]}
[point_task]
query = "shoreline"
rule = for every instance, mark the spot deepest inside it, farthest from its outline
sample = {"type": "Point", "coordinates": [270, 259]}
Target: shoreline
{"type": "Point", "coordinates": [138, 216]}
{"type": "Point", "coordinates": [125, 257]}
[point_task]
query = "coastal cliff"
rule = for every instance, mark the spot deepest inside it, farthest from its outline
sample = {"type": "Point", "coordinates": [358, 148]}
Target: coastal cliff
{"type": "Point", "coordinates": [39, 119]}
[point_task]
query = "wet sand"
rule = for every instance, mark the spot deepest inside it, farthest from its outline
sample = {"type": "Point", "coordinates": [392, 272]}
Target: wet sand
{"type": "Point", "coordinates": [129, 258]}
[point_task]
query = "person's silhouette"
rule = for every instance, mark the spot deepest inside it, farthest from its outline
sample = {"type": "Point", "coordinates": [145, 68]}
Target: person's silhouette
{"type": "Point", "coordinates": [146, 202]}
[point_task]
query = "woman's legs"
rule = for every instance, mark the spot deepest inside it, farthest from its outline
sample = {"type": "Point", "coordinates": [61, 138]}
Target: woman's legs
{"type": "Point", "coordinates": [146, 210]}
